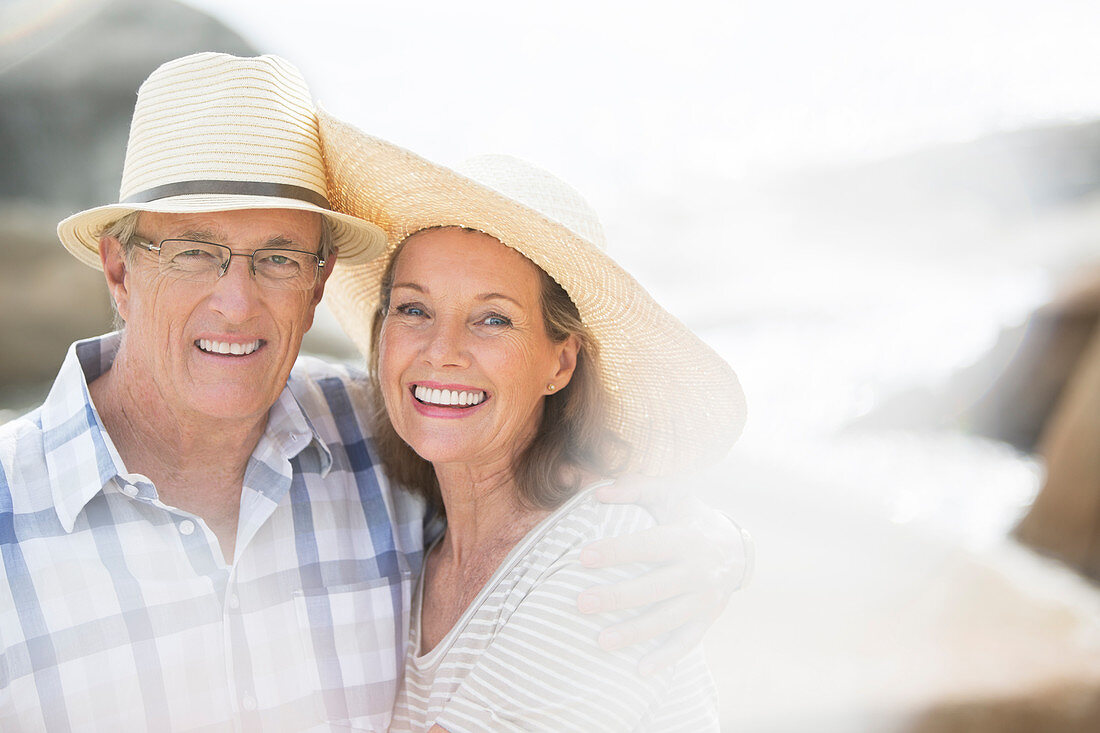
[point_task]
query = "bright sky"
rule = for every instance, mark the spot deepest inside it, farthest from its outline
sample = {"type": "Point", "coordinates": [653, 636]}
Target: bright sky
{"type": "Point", "coordinates": [652, 109]}
{"type": "Point", "coordinates": [734, 85]}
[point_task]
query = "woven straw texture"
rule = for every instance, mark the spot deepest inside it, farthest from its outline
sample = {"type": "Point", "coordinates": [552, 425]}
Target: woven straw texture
{"type": "Point", "coordinates": [216, 117]}
{"type": "Point", "coordinates": [674, 400]}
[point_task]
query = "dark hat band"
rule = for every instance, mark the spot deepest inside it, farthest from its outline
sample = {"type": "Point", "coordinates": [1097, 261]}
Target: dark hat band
{"type": "Point", "coordinates": [232, 188]}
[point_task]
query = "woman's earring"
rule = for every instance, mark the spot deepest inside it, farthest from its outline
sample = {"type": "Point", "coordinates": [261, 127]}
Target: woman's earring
{"type": "Point", "coordinates": [551, 387]}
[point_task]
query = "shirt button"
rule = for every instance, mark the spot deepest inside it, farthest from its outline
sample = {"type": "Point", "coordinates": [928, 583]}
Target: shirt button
{"type": "Point", "coordinates": [187, 527]}
{"type": "Point", "coordinates": [130, 490]}
{"type": "Point", "coordinates": [234, 601]}
{"type": "Point", "coordinates": [248, 702]}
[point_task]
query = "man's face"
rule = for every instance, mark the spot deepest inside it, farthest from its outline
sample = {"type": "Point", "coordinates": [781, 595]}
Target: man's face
{"type": "Point", "coordinates": [177, 329]}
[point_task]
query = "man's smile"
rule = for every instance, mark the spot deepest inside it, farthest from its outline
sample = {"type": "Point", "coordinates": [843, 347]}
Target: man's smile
{"type": "Point", "coordinates": [227, 347]}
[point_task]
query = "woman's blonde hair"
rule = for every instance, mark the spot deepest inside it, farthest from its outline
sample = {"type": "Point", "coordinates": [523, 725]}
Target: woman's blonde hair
{"type": "Point", "coordinates": [572, 439]}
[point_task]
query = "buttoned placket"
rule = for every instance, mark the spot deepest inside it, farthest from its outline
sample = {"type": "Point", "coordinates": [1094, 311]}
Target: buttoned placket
{"type": "Point", "coordinates": [275, 449]}
{"type": "Point", "coordinates": [201, 545]}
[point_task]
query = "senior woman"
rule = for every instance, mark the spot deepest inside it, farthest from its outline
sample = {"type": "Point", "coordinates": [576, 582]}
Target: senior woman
{"type": "Point", "coordinates": [517, 368]}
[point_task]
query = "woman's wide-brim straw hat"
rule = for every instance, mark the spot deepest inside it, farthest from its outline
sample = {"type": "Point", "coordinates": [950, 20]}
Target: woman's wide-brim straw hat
{"type": "Point", "coordinates": [214, 132]}
{"type": "Point", "coordinates": [673, 399]}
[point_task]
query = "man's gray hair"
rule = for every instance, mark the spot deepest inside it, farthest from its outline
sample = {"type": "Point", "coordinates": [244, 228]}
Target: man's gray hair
{"type": "Point", "coordinates": [123, 230]}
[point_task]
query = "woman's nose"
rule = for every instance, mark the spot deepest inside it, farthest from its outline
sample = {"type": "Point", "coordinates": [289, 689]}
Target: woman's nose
{"type": "Point", "coordinates": [445, 346]}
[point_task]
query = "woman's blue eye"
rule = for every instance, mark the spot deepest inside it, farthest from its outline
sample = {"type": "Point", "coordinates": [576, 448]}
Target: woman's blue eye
{"type": "Point", "coordinates": [410, 310]}
{"type": "Point", "coordinates": [497, 320]}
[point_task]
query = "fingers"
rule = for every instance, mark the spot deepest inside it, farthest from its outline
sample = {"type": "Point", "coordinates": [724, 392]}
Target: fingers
{"type": "Point", "coordinates": [677, 621]}
{"type": "Point", "coordinates": [657, 585]}
{"type": "Point", "coordinates": [702, 593]}
{"type": "Point", "coordinates": [673, 648]}
{"type": "Point", "coordinates": [662, 619]}
{"type": "Point", "coordinates": [657, 545]}
{"type": "Point", "coordinates": [652, 495]}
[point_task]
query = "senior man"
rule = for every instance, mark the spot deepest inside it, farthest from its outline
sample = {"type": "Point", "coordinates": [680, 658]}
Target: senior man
{"type": "Point", "coordinates": [194, 533]}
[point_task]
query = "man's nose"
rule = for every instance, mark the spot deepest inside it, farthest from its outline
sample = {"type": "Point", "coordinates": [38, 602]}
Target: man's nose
{"type": "Point", "coordinates": [249, 265]}
{"type": "Point", "coordinates": [236, 292]}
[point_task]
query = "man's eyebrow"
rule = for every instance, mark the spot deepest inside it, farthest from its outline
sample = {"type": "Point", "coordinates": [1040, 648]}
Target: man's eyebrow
{"type": "Point", "coordinates": [198, 235]}
{"type": "Point", "coordinates": [207, 235]}
{"type": "Point", "coordinates": [285, 243]}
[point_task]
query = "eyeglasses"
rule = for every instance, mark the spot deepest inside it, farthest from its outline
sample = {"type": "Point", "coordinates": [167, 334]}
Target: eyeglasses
{"type": "Point", "coordinates": [273, 267]}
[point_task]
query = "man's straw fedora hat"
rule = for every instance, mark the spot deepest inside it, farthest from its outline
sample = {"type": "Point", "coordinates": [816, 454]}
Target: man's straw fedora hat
{"type": "Point", "coordinates": [673, 399]}
{"type": "Point", "coordinates": [214, 132]}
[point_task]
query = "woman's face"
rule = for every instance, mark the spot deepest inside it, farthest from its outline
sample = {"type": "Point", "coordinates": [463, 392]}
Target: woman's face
{"type": "Point", "coordinates": [464, 359]}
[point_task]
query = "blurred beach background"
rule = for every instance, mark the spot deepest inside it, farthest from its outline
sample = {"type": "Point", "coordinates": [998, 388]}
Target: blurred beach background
{"type": "Point", "coordinates": [886, 216]}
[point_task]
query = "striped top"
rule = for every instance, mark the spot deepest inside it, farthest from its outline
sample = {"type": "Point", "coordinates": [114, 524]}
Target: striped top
{"type": "Point", "coordinates": [522, 657]}
{"type": "Point", "coordinates": [119, 613]}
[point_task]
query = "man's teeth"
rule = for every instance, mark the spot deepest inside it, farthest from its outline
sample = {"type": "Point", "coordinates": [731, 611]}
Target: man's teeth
{"type": "Point", "coordinates": [448, 396]}
{"type": "Point", "coordinates": [224, 347]}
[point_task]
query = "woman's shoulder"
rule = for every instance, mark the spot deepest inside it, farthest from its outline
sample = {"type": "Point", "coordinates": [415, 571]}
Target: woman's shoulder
{"type": "Point", "coordinates": [585, 518]}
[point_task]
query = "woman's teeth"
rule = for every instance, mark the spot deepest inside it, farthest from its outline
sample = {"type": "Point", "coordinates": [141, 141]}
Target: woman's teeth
{"type": "Point", "coordinates": [448, 396]}
{"type": "Point", "coordinates": [224, 347]}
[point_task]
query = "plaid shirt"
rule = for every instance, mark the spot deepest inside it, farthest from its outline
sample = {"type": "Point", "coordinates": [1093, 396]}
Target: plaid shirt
{"type": "Point", "coordinates": [118, 613]}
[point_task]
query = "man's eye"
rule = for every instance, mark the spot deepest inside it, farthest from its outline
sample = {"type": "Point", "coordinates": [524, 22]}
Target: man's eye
{"type": "Point", "coordinates": [276, 260]}
{"type": "Point", "coordinates": [194, 253]}
{"type": "Point", "coordinates": [195, 257]}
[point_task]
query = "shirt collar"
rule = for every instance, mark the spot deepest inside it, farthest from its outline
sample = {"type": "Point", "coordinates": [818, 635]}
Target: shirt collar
{"type": "Point", "coordinates": [81, 458]}
{"type": "Point", "coordinates": [291, 430]}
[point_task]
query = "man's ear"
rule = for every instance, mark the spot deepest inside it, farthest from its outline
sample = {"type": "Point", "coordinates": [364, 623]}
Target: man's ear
{"type": "Point", "coordinates": [116, 271]}
{"type": "Point", "coordinates": [319, 288]}
{"type": "Point", "coordinates": [322, 278]}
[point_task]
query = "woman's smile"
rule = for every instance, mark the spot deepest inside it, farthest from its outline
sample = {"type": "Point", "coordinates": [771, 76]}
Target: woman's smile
{"type": "Point", "coordinates": [464, 356]}
{"type": "Point", "coordinates": [448, 396]}
{"type": "Point", "coordinates": [432, 399]}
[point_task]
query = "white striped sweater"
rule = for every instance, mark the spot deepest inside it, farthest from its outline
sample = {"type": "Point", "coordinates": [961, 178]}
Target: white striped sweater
{"type": "Point", "coordinates": [522, 657]}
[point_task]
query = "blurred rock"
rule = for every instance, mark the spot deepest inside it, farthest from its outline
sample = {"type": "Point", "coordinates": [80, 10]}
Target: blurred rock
{"type": "Point", "coordinates": [1011, 392]}
{"type": "Point", "coordinates": [1034, 196]}
{"type": "Point", "coordinates": [47, 299]}
{"type": "Point", "coordinates": [1045, 400]}
{"type": "Point", "coordinates": [1064, 521]}
{"type": "Point", "coordinates": [69, 73]}
{"type": "Point", "coordinates": [1067, 707]}
{"type": "Point", "coordinates": [1020, 403]}
{"type": "Point", "coordinates": [1011, 174]}
{"type": "Point", "coordinates": [857, 624]}
{"type": "Point", "coordinates": [69, 81]}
